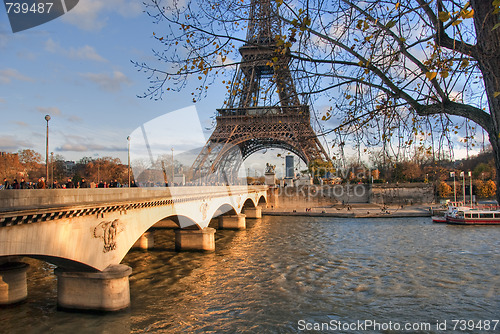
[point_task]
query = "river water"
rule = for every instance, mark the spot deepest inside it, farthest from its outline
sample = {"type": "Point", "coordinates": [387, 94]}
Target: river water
{"type": "Point", "coordinates": [286, 274]}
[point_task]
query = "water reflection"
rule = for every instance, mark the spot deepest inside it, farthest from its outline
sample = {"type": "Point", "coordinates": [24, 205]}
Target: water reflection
{"type": "Point", "coordinates": [284, 269]}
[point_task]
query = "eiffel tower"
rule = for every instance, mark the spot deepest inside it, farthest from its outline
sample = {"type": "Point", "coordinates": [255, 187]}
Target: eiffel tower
{"type": "Point", "coordinates": [244, 127]}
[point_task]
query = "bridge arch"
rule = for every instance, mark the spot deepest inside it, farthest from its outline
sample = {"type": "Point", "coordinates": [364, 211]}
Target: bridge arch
{"type": "Point", "coordinates": [179, 220]}
{"type": "Point", "coordinates": [249, 203]}
{"type": "Point", "coordinates": [94, 228]}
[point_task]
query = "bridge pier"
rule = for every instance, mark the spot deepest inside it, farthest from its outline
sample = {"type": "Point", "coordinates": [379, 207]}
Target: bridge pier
{"type": "Point", "coordinates": [106, 290]}
{"type": "Point", "coordinates": [273, 197]}
{"type": "Point", "coordinates": [13, 285]}
{"type": "Point", "coordinates": [232, 222]}
{"type": "Point", "coordinates": [146, 241]}
{"type": "Point", "coordinates": [199, 240]}
{"type": "Point", "coordinates": [253, 212]}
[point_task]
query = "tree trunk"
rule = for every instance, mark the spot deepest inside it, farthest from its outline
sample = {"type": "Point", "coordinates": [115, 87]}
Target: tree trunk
{"type": "Point", "coordinates": [488, 58]}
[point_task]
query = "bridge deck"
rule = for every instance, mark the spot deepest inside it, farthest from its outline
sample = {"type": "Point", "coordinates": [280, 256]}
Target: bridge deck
{"type": "Point", "coordinates": [30, 206]}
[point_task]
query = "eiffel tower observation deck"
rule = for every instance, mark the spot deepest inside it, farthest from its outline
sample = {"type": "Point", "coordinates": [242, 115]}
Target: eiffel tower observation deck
{"type": "Point", "coordinates": [251, 119]}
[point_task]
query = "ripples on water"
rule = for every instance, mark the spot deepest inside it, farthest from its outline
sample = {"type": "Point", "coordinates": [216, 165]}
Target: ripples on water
{"type": "Point", "coordinates": [284, 269]}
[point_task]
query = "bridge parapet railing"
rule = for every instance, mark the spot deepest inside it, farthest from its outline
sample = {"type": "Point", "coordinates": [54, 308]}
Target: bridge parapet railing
{"type": "Point", "coordinates": [32, 199]}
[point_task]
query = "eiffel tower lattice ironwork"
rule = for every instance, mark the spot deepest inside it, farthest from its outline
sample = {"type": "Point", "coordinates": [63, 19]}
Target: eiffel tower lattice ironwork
{"type": "Point", "coordinates": [243, 127]}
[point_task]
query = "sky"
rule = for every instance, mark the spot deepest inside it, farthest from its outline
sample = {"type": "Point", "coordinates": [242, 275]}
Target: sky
{"type": "Point", "coordinates": [77, 68]}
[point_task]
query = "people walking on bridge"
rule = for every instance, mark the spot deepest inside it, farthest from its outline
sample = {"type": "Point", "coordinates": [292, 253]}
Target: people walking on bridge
{"type": "Point", "coordinates": [70, 184]}
{"type": "Point", "coordinates": [41, 183]}
{"type": "Point", "coordinates": [84, 184]}
{"type": "Point", "coordinates": [16, 185]}
{"type": "Point", "coordinates": [6, 184]}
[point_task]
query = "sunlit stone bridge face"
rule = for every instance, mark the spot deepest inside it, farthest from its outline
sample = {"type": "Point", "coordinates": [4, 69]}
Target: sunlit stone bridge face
{"type": "Point", "coordinates": [95, 228]}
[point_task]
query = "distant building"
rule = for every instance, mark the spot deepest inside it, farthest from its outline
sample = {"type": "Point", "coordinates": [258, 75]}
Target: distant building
{"type": "Point", "coordinates": [69, 167]}
{"type": "Point", "coordinates": [180, 179]}
{"type": "Point", "coordinates": [289, 167]}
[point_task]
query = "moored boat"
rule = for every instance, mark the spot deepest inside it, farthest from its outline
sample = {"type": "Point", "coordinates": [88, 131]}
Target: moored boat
{"type": "Point", "coordinates": [452, 209]}
{"type": "Point", "coordinates": [439, 219]}
{"type": "Point", "coordinates": [474, 217]}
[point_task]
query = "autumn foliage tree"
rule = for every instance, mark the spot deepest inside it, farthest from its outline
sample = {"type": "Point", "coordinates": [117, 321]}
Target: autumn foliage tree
{"type": "Point", "coordinates": [394, 71]}
{"type": "Point", "coordinates": [486, 189]}
{"type": "Point", "coordinates": [104, 169]}
{"type": "Point", "coordinates": [10, 166]}
{"type": "Point", "coordinates": [444, 190]}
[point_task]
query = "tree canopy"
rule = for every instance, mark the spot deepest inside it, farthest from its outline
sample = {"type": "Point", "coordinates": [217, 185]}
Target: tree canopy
{"type": "Point", "coordinates": [394, 72]}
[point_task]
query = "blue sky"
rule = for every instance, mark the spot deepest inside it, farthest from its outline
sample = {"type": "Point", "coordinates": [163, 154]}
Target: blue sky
{"type": "Point", "coordinates": [78, 69]}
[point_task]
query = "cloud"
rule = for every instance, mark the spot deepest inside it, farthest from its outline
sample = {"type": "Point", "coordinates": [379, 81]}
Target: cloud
{"type": "Point", "coordinates": [5, 35]}
{"type": "Point", "coordinates": [51, 46]}
{"type": "Point", "coordinates": [77, 143]}
{"type": "Point", "coordinates": [10, 144]}
{"type": "Point", "coordinates": [74, 119]}
{"type": "Point", "coordinates": [91, 15]}
{"type": "Point", "coordinates": [72, 148]}
{"type": "Point", "coordinates": [3, 40]}
{"type": "Point", "coordinates": [85, 52]}
{"type": "Point", "coordinates": [26, 55]}
{"type": "Point", "coordinates": [53, 111]}
{"type": "Point", "coordinates": [88, 147]}
{"type": "Point", "coordinates": [9, 74]}
{"type": "Point", "coordinates": [111, 83]}
{"type": "Point", "coordinates": [21, 124]}
{"type": "Point", "coordinates": [2, 100]}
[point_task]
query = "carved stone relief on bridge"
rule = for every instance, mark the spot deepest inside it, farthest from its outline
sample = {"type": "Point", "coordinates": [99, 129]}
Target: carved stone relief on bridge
{"type": "Point", "coordinates": [107, 231]}
{"type": "Point", "coordinates": [204, 210]}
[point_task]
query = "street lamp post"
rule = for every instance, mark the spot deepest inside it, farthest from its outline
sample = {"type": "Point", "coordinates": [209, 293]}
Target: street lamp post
{"type": "Point", "coordinates": [128, 150]}
{"type": "Point", "coordinates": [462, 174]}
{"type": "Point", "coordinates": [470, 189]}
{"type": "Point", "coordinates": [173, 167]}
{"type": "Point", "coordinates": [454, 187]}
{"type": "Point", "coordinates": [52, 167]}
{"type": "Point", "coordinates": [47, 118]}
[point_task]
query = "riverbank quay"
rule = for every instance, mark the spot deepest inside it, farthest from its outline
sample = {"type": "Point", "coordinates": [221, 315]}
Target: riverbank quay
{"type": "Point", "coordinates": [353, 211]}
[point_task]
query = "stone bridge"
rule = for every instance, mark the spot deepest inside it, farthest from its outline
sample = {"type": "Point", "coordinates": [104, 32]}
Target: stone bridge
{"type": "Point", "coordinates": [87, 233]}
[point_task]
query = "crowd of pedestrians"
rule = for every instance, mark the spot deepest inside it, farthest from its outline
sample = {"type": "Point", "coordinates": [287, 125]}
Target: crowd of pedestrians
{"type": "Point", "coordinates": [83, 183]}
{"type": "Point", "coordinates": [69, 184]}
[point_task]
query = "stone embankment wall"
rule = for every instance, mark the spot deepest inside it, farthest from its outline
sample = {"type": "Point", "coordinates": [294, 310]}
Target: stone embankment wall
{"type": "Point", "coordinates": [402, 193]}
{"type": "Point", "coordinates": [328, 195]}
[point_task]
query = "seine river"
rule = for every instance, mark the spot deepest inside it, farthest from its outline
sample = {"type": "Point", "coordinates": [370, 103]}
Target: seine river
{"type": "Point", "coordinates": [287, 274]}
